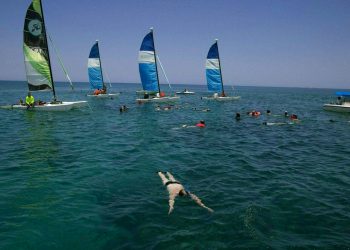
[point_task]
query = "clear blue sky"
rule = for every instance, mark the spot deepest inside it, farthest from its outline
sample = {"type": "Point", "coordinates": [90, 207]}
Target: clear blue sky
{"type": "Point", "coordinates": [261, 42]}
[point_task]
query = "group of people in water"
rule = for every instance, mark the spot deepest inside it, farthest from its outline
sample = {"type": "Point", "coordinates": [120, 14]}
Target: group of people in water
{"type": "Point", "coordinates": [292, 118]}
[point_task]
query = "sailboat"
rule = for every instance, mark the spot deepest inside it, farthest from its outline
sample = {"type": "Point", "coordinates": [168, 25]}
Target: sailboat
{"type": "Point", "coordinates": [214, 76]}
{"type": "Point", "coordinates": [149, 73]}
{"type": "Point", "coordinates": [342, 104]}
{"type": "Point", "coordinates": [37, 60]}
{"type": "Point", "coordinates": [97, 83]}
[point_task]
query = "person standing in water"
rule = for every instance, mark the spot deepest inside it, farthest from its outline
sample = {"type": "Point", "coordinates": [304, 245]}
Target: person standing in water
{"type": "Point", "coordinates": [175, 188]}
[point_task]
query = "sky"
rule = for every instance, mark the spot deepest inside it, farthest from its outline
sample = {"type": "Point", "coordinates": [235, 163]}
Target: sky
{"type": "Point", "coordinates": [295, 43]}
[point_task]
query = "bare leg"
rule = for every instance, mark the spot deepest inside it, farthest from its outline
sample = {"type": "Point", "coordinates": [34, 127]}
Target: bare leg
{"type": "Point", "coordinates": [170, 176]}
{"type": "Point", "coordinates": [199, 202]}
{"type": "Point", "coordinates": [162, 176]}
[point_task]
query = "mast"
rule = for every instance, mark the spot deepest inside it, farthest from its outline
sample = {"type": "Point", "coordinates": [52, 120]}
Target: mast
{"type": "Point", "coordinates": [155, 59]}
{"type": "Point", "coordinates": [222, 82]}
{"type": "Point", "coordinates": [48, 53]}
{"type": "Point", "coordinates": [99, 59]}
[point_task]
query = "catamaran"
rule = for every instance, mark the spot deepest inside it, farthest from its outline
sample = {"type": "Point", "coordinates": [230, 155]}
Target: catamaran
{"type": "Point", "coordinates": [341, 105]}
{"type": "Point", "coordinates": [97, 83]}
{"type": "Point", "coordinates": [149, 73]}
{"type": "Point", "coordinates": [37, 60]}
{"type": "Point", "coordinates": [214, 76]}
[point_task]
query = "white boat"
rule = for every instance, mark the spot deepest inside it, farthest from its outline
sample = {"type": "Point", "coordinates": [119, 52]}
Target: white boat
{"type": "Point", "coordinates": [61, 106]}
{"type": "Point", "coordinates": [105, 96]}
{"type": "Point", "coordinates": [95, 73]}
{"type": "Point", "coordinates": [341, 105]}
{"type": "Point", "coordinates": [37, 61]}
{"type": "Point", "coordinates": [166, 99]}
{"type": "Point", "coordinates": [145, 92]}
{"type": "Point", "coordinates": [214, 76]}
{"type": "Point", "coordinates": [185, 92]}
{"type": "Point", "coordinates": [221, 98]}
{"type": "Point", "coordinates": [149, 73]}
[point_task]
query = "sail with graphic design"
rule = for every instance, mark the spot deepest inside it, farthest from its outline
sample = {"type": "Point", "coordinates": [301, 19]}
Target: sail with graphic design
{"type": "Point", "coordinates": [36, 51]}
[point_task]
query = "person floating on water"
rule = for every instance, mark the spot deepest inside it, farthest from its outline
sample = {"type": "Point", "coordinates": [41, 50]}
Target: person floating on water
{"type": "Point", "coordinates": [238, 116]}
{"type": "Point", "coordinates": [123, 108]}
{"type": "Point", "coordinates": [254, 113]}
{"type": "Point", "coordinates": [201, 124]}
{"type": "Point", "coordinates": [30, 101]}
{"type": "Point", "coordinates": [175, 188]}
{"type": "Point", "coordinates": [293, 117]}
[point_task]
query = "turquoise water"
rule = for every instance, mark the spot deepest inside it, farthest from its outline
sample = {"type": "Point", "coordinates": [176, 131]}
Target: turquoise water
{"type": "Point", "coordinates": [86, 179]}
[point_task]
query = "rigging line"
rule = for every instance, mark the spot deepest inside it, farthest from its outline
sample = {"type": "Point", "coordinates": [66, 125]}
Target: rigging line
{"type": "Point", "coordinates": [109, 80]}
{"type": "Point", "coordinates": [60, 61]}
{"type": "Point", "coordinates": [161, 66]}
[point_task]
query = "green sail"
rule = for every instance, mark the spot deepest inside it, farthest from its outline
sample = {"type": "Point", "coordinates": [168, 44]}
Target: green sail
{"type": "Point", "coordinates": [35, 49]}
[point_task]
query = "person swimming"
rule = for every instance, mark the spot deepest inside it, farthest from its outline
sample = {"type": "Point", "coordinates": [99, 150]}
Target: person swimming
{"type": "Point", "coordinates": [201, 124]}
{"type": "Point", "coordinates": [175, 188]}
{"type": "Point", "coordinates": [254, 113]}
{"type": "Point", "coordinates": [238, 116]}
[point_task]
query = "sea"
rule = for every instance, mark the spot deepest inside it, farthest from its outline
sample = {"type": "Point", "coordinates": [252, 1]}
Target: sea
{"type": "Point", "coordinates": [87, 179]}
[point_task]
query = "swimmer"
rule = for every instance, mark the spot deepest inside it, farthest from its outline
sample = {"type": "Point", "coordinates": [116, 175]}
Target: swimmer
{"type": "Point", "coordinates": [175, 188]}
{"type": "Point", "coordinates": [286, 113]}
{"type": "Point", "coordinates": [268, 112]}
{"type": "Point", "coordinates": [293, 117]}
{"type": "Point", "coordinates": [274, 123]}
{"type": "Point", "coordinates": [201, 124]}
{"type": "Point", "coordinates": [238, 116]}
{"type": "Point", "coordinates": [254, 113]}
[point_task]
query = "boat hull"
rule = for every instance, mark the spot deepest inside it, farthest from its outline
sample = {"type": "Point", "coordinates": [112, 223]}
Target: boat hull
{"type": "Point", "coordinates": [221, 98]}
{"type": "Point", "coordinates": [143, 92]}
{"type": "Point", "coordinates": [343, 108]}
{"type": "Point", "coordinates": [64, 106]}
{"type": "Point", "coordinates": [159, 99]}
{"type": "Point", "coordinates": [185, 93]}
{"type": "Point", "coordinates": [104, 96]}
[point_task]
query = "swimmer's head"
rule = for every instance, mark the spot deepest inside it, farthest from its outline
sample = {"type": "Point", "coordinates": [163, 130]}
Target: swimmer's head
{"type": "Point", "coordinates": [182, 192]}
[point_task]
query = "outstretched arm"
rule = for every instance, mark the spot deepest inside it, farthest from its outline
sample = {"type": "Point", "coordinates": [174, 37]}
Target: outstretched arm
{"type": "Point", "coordinates": [162, 176]}
{"type": "Point", "coordinates": [171, 177]}
{"type": "Point", "coordinates": [199, 202]}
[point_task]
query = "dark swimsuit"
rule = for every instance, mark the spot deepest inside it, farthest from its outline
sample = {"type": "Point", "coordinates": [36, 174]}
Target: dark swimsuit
{"type": "Point", "coordinates": [172, 182]}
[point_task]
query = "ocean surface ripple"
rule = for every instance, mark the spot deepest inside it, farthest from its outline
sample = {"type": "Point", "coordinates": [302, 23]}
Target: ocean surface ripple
{"type": "Point", "coordinates": [87, 179]}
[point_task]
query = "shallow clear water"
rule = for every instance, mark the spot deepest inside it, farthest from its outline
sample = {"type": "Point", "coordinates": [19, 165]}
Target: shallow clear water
{"type": "Point", "coordinates": [86, 179]}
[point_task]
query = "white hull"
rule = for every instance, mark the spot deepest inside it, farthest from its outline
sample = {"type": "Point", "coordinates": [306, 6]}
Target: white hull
{"type": "Point", "coordinates": [159, 99]}
{"type": "Point", "coordinates": [105, 96]}
{"type": "Point", "coordinates": [185, 93]}
{"type": "Point", "coordinates": [221, 98]}
{"type": "Point", "coordinates": [142, 92]}
{"type": "Point", "coordinates": [344, 108]}
{"type": "Point", "coordinates": [64, 106]}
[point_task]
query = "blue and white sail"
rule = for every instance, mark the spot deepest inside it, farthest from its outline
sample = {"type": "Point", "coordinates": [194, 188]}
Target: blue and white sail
{"type": "Point", "coordinates": [148, 64]}
{"type": "Point", "coordinates": [94, 68]}
{"type": "Point", "coordinates": [213, 70]}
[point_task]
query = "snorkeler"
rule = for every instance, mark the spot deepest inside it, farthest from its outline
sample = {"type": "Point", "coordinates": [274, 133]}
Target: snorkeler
{"type": "Point", "coordinates": [175, 188]}
{"type": "Point", "coordinates": [238, 116]}
{"type": "Point", "coordinates": [201, 124]}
